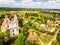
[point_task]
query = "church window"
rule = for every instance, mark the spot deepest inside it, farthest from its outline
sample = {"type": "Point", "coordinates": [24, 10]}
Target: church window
{"type": "Point", "coordinates": [13, 30]}
{"type": "Point", "coordinates": [16, 24]}
{"type": "Point", "coordinates": [16, 29]}
{"type": "Point", "coordinates": [7, 26]}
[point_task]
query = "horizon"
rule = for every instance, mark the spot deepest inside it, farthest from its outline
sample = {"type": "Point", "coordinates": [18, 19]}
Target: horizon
{"type": "Point", "coordinates": [31, 8]}
{"type": "Point", "coordinates": [36, 4]}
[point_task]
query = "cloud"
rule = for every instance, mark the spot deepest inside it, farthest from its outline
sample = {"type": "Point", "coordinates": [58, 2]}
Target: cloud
{"type": "Point", "coordinates": [58, 1]}
{"type": "Point", "coordinates": [5, 2]}
{"type": "Point", "coordinates": [31, 3]}
{"type": "Point", "coordinates": [26, 1]}
{"type": "Point", "coordinates": [52, 4]}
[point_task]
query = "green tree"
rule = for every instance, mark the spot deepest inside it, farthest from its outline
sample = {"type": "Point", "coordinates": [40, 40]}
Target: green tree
{"type": "Point", "coordinates": [7, 38]}
{"type": "Point", "coordinates": [21, 39]}
{"type": "Point", "coordinates": [54, 42]}
{"type": "Point", "coordinates": [7, 32]}
{"type": "Point", "coordinates": [1, 38]}
{"type": "Point", "coordinates": [31, 42]}
{"type": "Point", "coordinates": [58, 37]}
{"type": "Point", "coordinates": [20, 21]}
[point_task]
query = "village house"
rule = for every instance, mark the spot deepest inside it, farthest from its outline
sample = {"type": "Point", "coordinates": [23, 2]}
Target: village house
{"type": "Point", "coordinates": [58, 20]}
{"type": "Point", "coordinates": [44, 26]}
{"type": "Point", "coordinates": [49, 22]}
{"type": "Point", "coordinates": [44, 35]}
{"type": "Point", "coordinates": [25, 22]}
{"type": "Point", "coordinates": [54, 27]}
{"type": "Point", "coordinates": [37, 24]}
{"type": "Point", "coordinates": [12, 25]}
{"type": "Point", "coordinates": [32, 36]}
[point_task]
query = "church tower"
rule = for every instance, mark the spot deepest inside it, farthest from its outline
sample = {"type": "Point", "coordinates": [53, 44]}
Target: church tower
{"type": "Point", "coordinates": [6, 19]}
{"type": "Point", "coordinates": [15, 17]}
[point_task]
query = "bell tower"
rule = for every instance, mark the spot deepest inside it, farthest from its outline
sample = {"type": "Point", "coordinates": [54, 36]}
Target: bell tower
{"type": "Point", "coordinates": [15, 17]}
{"type": "Point", "coordinates": [6, 18]}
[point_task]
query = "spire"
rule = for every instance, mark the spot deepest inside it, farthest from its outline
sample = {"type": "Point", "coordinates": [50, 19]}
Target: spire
{"type": "Point", "coordinates": [15, 17]}
{"type": "Point", "coordinates": [6, 18]}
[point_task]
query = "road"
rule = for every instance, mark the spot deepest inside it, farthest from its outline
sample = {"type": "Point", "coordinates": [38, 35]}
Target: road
{"type": "Point", "coordinates": [42, 43]}
{"type": "Point", "coordinates": [53, 38]}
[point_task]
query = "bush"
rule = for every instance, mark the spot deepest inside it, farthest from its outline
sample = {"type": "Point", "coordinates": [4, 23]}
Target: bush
{"type": "Point", "coordinates": [54, 42]}
{"type": "Point", "coordinates": [58, 37]}
{"type": "Point", "coordinates": [20, 40]}
{"type": "Point", "coordinates": [20, 21]}
{"type": "Point", "coordinates": [50, 33]}
{"type": "Point", "coordinates": [1, 39]}
{"type": "Point", "coordinates": [31, 42]}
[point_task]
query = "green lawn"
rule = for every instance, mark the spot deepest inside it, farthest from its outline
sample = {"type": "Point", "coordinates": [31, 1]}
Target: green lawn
{"type": "Point", "coordinates": [47, 39]}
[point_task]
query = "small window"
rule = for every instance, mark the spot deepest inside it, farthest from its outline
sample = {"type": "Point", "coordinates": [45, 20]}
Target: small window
{"type": "Point", "coordinates": [13, 30]}
{"type": "Point", "coordinates": [16, 29]}
{"type": "Point", "coordinates": [13, 34]}
{"type": "Point", "coordinates": [16, 23]}
{"type": "Point", "coordinates": [8, 26]}
{"type": "Point", "coordinates": [7, 21]}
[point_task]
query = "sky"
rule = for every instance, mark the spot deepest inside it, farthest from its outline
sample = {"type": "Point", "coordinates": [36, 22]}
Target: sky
{"type": "Point", "coordinates": [48, 4]}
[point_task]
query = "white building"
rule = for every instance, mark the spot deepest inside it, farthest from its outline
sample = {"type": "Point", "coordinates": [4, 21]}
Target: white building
{"type": "Point", "coordinates": [12, 25]}
{"type": "Point", "coordinates": [44, 26]}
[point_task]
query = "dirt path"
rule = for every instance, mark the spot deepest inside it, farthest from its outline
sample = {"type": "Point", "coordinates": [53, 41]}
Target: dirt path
{"type": "Point", "coordinates": [41, 42]}
{"type": "Point", "coordinates": [53, 38]}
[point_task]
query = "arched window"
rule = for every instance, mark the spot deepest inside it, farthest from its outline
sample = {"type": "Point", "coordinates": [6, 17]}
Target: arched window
{"type": "Point", "coordinates": [7, 26]}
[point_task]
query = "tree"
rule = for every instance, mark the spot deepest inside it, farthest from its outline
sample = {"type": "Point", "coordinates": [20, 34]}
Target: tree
{"type": "Point", "coordinates": [20, 21]}
{"type": "Point", "coordinates": [20, 40]}
{"type": "Point", "coordinates": [1, 38]}
{"type": "Point", "coordinates": [54, 42]}
{"type": "Point", "coordinates": [31, 42]}
{"type": "Point", "coordinates": [7, 39]}
{"type": "Point", "coordinates": [7, 32]}
{"type": "Point", "coordinates": [58, 37]}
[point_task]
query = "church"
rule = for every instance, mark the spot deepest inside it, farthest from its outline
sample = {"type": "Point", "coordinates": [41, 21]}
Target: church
{"type": "Point", "coordinates": [12, 25]}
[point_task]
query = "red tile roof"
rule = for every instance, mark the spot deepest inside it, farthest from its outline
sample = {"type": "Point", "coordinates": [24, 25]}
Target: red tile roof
{"type": "Point", "coordinates": [44, 34]}
{"type": "Point", "coordinates": [32, 37]}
